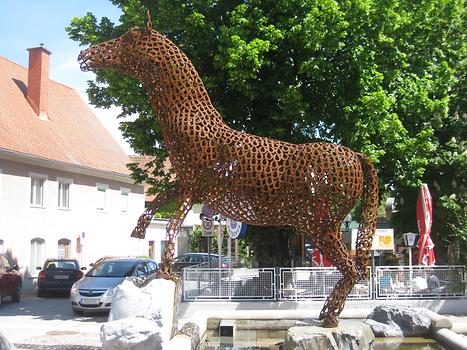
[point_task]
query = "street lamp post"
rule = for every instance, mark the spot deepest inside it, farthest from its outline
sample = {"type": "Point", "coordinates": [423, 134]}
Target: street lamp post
{"type": "Point", "coordinates": [409, 239]}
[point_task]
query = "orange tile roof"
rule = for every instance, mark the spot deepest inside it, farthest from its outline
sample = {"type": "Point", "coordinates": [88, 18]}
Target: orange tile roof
{"type": "Point", "coordinates": [72, 135]}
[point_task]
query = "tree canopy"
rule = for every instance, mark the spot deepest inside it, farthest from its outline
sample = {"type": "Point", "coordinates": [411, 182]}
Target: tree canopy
{"type": "Point", "coordinates": [383, 77]}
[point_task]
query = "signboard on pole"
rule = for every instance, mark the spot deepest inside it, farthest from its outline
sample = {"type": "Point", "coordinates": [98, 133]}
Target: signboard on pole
{"type": "Point", "coordinates": [235, 229]}
{"type": "Point", "coordinates": [207, 226]}
{"type": "Point", "coordinates": [383, 240]}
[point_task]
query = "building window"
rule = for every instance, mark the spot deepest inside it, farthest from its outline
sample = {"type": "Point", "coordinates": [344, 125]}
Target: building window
{"type": "Point", "coordinates": [164, 244]}
{"type": "Point", "coordinates": [101, 196]}
{"type": "Point", "coordinates": [186, 231]}
{"type": "Point", "coordinates": [37, 253]}
{"type": "Point", "coordinates": [4, 263]}
{"type": "Point", "coordinates": [151, 249]}
{"type": "Point", "coordinates": [124, 195]}
{"type": "Point", "coordinates": [64, 248]}
{"type": "Point", "coordinates": [64, 193]}
{"type": "Point", "coordinates": [37, 190]}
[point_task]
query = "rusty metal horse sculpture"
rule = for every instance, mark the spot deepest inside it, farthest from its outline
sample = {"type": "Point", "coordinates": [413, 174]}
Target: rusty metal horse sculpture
{"type": "Point", "coordinates": [256, 180]}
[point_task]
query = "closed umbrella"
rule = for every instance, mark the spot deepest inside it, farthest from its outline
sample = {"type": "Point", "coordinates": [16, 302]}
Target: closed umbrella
{"type": "Point", "coordinates": [318, 259]}
{"type": "Point", "coordinates": [426, 254]}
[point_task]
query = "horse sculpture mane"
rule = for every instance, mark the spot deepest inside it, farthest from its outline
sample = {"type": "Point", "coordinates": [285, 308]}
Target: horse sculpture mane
{"type": "Point", "coordinates": [255, 180]}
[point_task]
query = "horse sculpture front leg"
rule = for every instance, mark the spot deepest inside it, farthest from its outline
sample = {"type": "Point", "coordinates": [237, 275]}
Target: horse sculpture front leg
{"type": "Point", "coordinates": [184, 204]}
{"type": "Point", "coordinates": [145, 219]}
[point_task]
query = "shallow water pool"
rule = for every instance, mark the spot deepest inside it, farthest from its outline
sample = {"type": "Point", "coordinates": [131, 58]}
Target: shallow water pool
{"type": "Point", "coordinates": [272, 339]}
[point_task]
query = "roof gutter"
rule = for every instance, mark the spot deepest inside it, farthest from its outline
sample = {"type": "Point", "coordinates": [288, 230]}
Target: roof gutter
{"type": "Point", "coordinates": [63, 166]}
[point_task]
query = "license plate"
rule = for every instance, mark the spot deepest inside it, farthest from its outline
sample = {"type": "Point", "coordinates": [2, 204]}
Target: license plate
{"type": "Point", "coordinates": [61, 277]}
{"type": "Point", "coordinates": [89, 301]}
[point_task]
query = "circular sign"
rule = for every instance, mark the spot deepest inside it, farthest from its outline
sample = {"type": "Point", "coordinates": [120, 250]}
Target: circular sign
{"type": "Point", "coordinates": [207, 228]}
{"type": "Point", "coordinates": [235, 229]}
{"type": "Point", "coordinates": [207, 211]}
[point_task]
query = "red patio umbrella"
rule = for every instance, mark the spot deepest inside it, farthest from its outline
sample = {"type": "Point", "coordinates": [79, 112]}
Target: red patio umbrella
{"type": "Point", "coordinates": [318, 259]}
{"type": "Point", "coordinates": [426, 255]}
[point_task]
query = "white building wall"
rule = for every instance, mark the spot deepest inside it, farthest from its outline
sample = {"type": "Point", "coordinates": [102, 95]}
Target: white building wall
{"type": "Point", "coordinates": [101, 233]}
{"type": "Point", "coordinates": [156, 232]}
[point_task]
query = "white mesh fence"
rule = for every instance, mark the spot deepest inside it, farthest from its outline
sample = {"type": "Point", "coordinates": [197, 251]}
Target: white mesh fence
{"type": "Point", "coordinates": [315, 283]}
{"type": "Point", "coordinates": [419, 282]}
{"type": "Point", "coordinates": [239, 283]}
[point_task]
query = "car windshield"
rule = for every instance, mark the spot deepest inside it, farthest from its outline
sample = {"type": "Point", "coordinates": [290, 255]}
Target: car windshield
{"type": "Point", "coordinates": [113, 268]}
{"type": "Point", "coordinates": [61, 264]}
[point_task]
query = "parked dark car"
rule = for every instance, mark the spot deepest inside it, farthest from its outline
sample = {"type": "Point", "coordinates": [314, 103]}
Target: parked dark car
{"type": "Point", "coordinates": [58, 275]}
{"type": "Point", "coordinates": [202, 259]}
{"type": "Point", "coordinates": [96, 290]}
{"type": "Point", "coordinates": [10, 280]}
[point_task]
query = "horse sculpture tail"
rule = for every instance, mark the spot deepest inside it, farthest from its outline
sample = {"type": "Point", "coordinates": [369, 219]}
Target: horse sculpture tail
{"type": "Point", "coordinates": [369, 213]}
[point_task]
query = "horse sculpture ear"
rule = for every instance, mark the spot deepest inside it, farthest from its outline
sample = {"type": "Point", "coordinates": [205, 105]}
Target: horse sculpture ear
{"type": "Point", "coordinates": [149, 22]}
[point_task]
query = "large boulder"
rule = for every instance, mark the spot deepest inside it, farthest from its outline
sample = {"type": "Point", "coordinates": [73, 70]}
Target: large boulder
{"type": "Point", "coordinates": [5, 344]}
{"type": "Point", "coordinates": [132, 333]}
{"type": "Point", "coordinates": [356, 337]}
{"type": "Point", "coordinates": [384, 330]}
{"type": "Point", "coordinates": [153, 301]}
{"type": "Point", "coordinates": [390, 321]}
{"type": "Point", "coordinates": [141, 316]}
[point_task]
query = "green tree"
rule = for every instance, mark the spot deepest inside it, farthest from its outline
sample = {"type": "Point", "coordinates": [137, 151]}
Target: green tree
{"type": "Point", "coordinates": [384, 77]}
{"type": "Point", "coordinates": [198, 243]}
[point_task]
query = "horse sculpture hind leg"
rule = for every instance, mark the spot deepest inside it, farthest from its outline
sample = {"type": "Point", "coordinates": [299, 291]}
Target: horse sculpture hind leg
{"type": "Point", "coordinates": [331, 244]}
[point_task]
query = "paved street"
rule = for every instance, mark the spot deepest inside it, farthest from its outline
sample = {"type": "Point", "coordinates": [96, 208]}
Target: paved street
{"type": "Point", "coordinates": [49, 324]}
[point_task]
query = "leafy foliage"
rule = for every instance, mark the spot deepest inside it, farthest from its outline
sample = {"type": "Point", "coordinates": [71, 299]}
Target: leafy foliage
{"type": "Point", "coordinates": [198, 243]}
{"type": "Point", "coordinates": [384, 77]}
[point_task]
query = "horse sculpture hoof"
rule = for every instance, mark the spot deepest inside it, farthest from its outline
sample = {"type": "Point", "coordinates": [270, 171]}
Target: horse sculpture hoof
{"type": "Point", "coordinates": [163, 275]}
{"type": "Point", "coordinates": [330, 322]}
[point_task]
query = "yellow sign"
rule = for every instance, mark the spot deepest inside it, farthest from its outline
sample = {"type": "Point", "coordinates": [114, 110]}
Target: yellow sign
{"type": "Point", "coordinates": [383, 240]}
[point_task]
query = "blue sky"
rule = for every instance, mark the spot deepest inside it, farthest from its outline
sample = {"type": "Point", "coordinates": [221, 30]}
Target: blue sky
{"type": "Point", "coordinates": [27, 23]}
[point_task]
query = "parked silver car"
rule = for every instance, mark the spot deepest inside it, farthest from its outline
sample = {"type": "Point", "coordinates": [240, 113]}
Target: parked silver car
{"type": "Point", "coordinates": [94, 292]}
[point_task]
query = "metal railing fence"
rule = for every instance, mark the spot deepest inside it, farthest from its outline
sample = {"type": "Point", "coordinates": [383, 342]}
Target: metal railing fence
{"type": "Point", "coordinates": [419, 282]}
{"type": "Point", "coordinates": [316, 283]}
{"type": "Point", "coordinates": [231, 284]}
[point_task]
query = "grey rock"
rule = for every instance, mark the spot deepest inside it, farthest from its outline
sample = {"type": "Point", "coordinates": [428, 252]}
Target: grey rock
{"type": "Point", "coordinates": [339, 338]}
{"type": "Point", "coordinates": [307, 322]}
{"type": "Point", "coordinates": [5, 344]}
{"type": "Point", "coordinates": [191, 330]}
{"type": "Point", "coordinates": [132, 333]}
{"type": "Point", "coordinates": [384, 330]}
{"type": "Point", "coordinates": [412, 323]}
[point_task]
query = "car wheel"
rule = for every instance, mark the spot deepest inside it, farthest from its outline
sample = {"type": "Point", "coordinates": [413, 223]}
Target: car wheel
{"type": "Point", "coordinates": [16, 297]}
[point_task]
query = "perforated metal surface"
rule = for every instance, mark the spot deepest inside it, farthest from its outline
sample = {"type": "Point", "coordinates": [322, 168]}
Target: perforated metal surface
{"type": "Point", "coordinates": [255, 180]}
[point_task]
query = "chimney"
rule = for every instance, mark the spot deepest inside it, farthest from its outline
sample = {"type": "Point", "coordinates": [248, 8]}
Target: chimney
{"type": "Point", "coordinates": [38, 80]}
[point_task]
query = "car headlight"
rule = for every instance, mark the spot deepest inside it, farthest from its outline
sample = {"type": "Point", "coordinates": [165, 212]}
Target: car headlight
{"type": "Point", "coordinates": [111, 292]}
{"type": "Point", "coordinates": [74, 288]}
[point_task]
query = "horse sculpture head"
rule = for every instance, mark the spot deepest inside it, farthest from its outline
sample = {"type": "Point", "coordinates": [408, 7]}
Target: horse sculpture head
{"type": "Point", "coordinates": [131, 54]}
{"type": "Point", "coordinates": [150, 57]}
